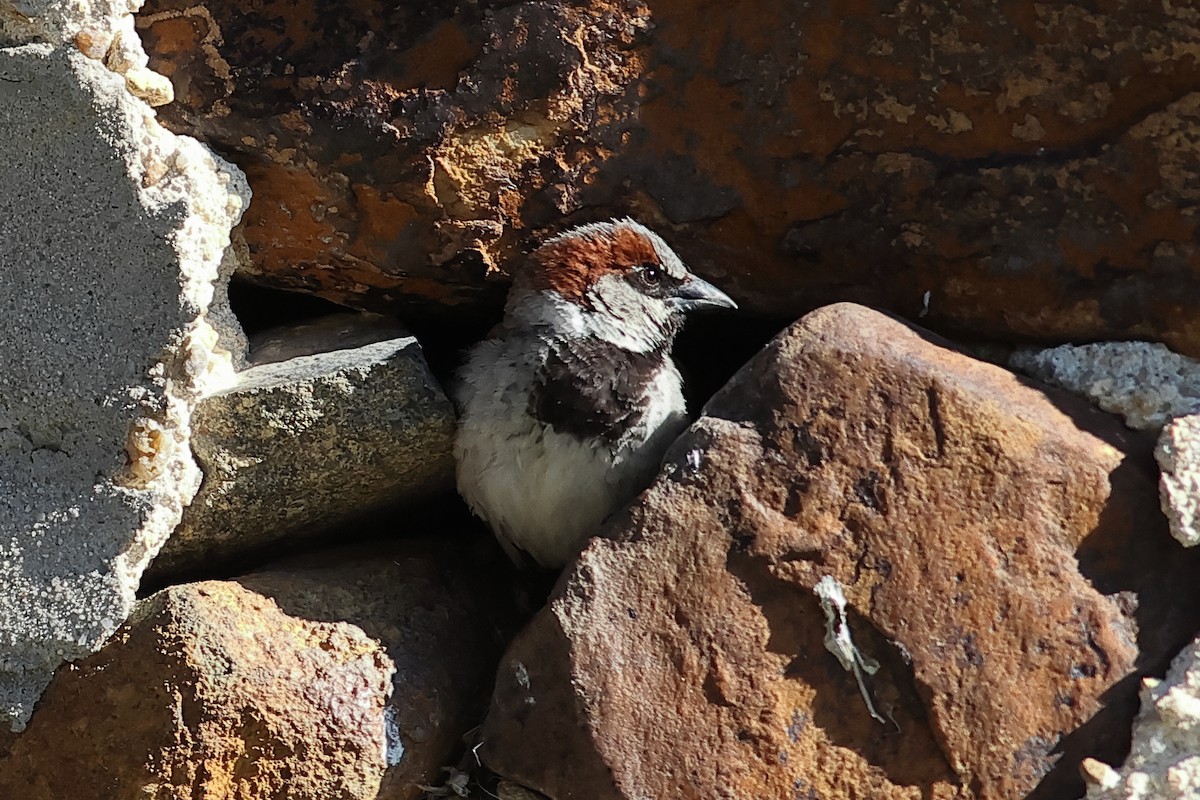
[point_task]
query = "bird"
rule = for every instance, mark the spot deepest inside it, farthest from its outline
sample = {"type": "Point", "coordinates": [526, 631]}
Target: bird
{"type": "Point", "coordinates": [567, 408]}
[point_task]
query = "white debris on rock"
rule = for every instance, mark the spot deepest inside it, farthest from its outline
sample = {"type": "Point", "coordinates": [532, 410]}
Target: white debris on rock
{"type": "Point", "coordinates": [1178, 455]}
{"type": "Point", "coordinates": [102, 30]}
{"type": "Point", "coordinates": [1165, 761]}
{"type": "Point", "coordinates": [112, 231]}
{"type": "Point", "coordinates": [1144, 382]}
{"type": "Point", "coordinates": [839, 642]}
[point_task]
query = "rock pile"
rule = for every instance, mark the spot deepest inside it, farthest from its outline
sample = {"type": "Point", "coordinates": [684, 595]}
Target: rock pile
{"type": "Point", "coordinates": [878, 564]}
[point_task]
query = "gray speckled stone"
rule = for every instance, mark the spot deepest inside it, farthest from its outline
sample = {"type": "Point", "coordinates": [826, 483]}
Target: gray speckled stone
{"type": "Point", "coordinates": [1164, 763]}
{"type": "Point", "coordinates": [1144, 382]}
{"type": "Point", "coordinates": [111, 232]}
{"type": "Point", "coordinates": [299, 445]}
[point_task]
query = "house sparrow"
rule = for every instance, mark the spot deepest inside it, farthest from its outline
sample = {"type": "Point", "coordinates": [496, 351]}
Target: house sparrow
{"type": "Point", "coordinates": [567, 409]}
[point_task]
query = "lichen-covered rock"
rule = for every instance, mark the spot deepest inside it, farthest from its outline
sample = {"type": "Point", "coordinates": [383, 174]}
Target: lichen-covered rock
{"type": "Point", "coordinates": [352, 675]}
{"type": "Point", "coordinates": [1144, 382]}
{"type": "Point", "coordinates": [111, 233]}
{"type": "Point", "coordinates": [1008, 167]}
{"type": "Point", "coordinates": [1000, 550]}
{"type": "Point", "coordinates": [348, 421]}
{"type": "Point", "coordinates": [1178, 455]}
{"type": "Point", "coordinates": [1165, 761]}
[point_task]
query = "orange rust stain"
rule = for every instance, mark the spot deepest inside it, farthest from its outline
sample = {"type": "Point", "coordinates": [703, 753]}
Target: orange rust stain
{"type": "Point", "coordinates": [949, 244]}
{"type": "Point", "coordinates": [824, 42]}
{"type": "Point", "coordinates": [697, 121]}
{"type": "Point", "coordinates": [433, 289]}
{"type": "Point", "coordinates": [285, 28]}
{"type": "Point", "coordinates": [1183, 336]}
{"type": "Point", "coordinates": [176, 42]}
{"type": "Point", "coordinates": [436, 61]}
{"type": "Point", "coordinates": [1079, 259]}
{"type": "Point", "coordinates": [741, 240]}
{"type": "Point", "coordinates": [1148, 226]}
{"type": "Point", "coordinates": [708, 122]}
{"type": "Point", "coordinates": [380, 221]}
{"type": "Point", "coordinates": [731, 140]}
{"type": "Point", "coordinates": [280, 226]}
{"type": "Point", "coordinates": [300, 22]}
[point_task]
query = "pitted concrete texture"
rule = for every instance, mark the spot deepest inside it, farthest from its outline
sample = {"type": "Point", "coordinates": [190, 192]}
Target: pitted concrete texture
{"type": "Point", "coordinates": [335, 418]}
{"type": "Point", "coordinates": [1178, 454]}
{"type": "Point", "coordinates": [59, 21]}
{"type": "Point", "coordinates": [1144, 382]}
{"type": "Point", "coordinates": [111, 232]}
{"type": "Point", "coordinates": [1164, 763]}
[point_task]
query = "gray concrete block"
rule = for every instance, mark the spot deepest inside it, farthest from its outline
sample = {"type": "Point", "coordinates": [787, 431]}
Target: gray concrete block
{"type": "Point", "coordinates": [111, 232]}
{"type": "Point", "coordinates": [313, 437]}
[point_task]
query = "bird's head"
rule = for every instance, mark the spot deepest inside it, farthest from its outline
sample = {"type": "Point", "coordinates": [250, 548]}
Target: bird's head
{"type": "Point", "coordinates": [617, 281]}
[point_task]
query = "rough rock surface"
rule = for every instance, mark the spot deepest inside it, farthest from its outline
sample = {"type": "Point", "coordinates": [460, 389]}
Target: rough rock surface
{"type": "Point", "coordinates": [1144, 382]}
{"type": "Point", "coordinates": [1010, 167]}
{"type": "Point", "coordinates": [111, 232]}
{"type": "Point", "coordinates": [299, 445]}
{"type": "Point", "coordinates": [442, 618]}
{"type": "Point", "coordinates": [1165, 762]}
{"type": "Point", "coordinates": [1178, 455]}
{"type": "Point", "coordinates": [1000, 548]}
{"type": "Point", "coordinates": [274, 686]}
{"type": "Point", "coordinates": [211, 691]}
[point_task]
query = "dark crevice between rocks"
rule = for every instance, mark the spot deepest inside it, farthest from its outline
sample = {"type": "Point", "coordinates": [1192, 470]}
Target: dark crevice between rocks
{"type": "Point", "coordinates": [713, 347]}
{"type": "Point", "coordinates": [260, 308]}
{"type": "Point", "coordinates": [443, 338]}
{"type": "Point", "coordinates": [443, 515]}
{"type": "Point", "coordinates": [710, 349]}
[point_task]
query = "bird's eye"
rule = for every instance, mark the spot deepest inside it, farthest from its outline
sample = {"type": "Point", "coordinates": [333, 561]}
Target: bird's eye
{"type": "Point", "coordinates": [650, 274]}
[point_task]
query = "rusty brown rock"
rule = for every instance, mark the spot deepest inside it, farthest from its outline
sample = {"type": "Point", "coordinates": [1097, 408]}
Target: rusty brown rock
{"type": "Point", "coordinates": [211, 691]}
{"type": "Point", "coordinates": [1018, 168]}
{"type": "Point", "coordinates": [441, 617]}
{"type": "Point", "coordinates": [1000, 547]}
{"type": "Point", "coordinates": [276, 685]}
{"type": "Point", "coordinates": [396, 147]}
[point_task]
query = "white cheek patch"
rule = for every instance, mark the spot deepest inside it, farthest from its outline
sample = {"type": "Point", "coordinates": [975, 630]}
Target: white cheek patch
{"type": "Point", "coordinates": [619, 315]}
{"type": "Point", "coordinates": [627, 318]}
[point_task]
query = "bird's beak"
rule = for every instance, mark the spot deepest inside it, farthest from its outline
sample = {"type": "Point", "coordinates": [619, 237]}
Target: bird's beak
{"type": "Point", "coordinates": [695, 293]}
